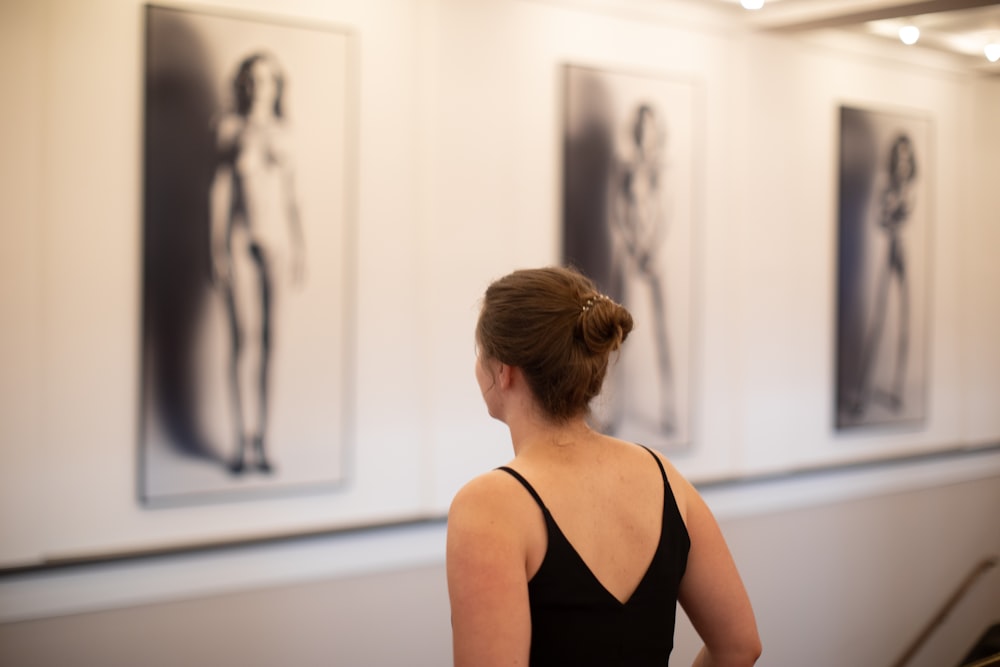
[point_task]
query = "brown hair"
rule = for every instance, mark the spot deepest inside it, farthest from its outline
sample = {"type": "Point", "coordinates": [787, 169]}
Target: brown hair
{"type": "Point", "coordinates": [244, 86]}
{"type": "Point", "coordinates": [555, 326]}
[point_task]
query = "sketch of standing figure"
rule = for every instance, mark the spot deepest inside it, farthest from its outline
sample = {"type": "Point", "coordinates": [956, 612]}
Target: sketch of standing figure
{"type": "Point", "coordinates": [248, 163]}
{"type": "Point", "coordinates": [897, 201]}
{"type": "Point", "coordinates": [638, 227]}
{"type": "Point", "coordinates": [257, 243]}
{"type": "Point", "coordinates": [629, 222]}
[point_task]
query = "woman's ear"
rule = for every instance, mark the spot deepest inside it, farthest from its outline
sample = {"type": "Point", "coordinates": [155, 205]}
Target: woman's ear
{"type": "Point", "coordinates": [505, 375]}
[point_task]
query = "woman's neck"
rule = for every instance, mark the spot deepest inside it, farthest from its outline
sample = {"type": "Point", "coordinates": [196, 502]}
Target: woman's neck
{"type": "Point", "coordinates": [534, 436]}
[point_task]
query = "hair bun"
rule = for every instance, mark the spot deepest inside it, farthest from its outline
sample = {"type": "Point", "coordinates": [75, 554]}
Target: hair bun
{"type": "Point", "coordinates": [604, 325]}
{"type": "Point", "coordinates": [555, 326]}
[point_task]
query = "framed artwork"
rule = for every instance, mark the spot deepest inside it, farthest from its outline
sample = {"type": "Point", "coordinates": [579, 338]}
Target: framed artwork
{"type": "Point", "coordinates": [630, 147]}
{"type": "Point", "coordinates": [882, 269]}
{"type": "Point", "coordinates": [247, 256]}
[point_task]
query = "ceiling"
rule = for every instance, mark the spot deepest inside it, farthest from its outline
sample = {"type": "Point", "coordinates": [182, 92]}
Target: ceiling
{"type": "Point", "coordinates": [959, 27]}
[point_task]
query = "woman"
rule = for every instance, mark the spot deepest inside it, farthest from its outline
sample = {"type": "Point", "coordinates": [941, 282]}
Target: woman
{"type": "Point", "coordinates": [578, 550]}
{"type": "Point", "coordinates": [257, 243]}
{"type": "Point", "coordinates": [897, 205]}
{"type": "Point", "coordinates": [639, 224]}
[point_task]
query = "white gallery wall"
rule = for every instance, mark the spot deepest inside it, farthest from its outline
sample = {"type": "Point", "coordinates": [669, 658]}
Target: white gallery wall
{"type": "Point", "coordinates": [458, 182]}
{"type": "Point", "coordinates": [71, 287]}
{"type": "Point", "coordinates": [765, 292]}
{"type": "Point", "coordinates": [766, 249]}
{"type": "Point", "coordinates": [979, 233]}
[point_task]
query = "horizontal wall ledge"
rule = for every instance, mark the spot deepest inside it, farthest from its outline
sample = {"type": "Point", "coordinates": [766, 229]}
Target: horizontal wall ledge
{"type": "Point", "coordinates": [125, 580]}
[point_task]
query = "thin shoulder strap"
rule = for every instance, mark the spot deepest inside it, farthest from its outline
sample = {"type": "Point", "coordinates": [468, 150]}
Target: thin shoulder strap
{"type": "Point", "coordinates": [659, 463]}
{"type": "Point", "coordinates": [534, 494]}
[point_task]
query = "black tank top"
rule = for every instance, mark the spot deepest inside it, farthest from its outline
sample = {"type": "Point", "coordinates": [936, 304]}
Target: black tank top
{"type": "Point", "coordinates": [576, 621]}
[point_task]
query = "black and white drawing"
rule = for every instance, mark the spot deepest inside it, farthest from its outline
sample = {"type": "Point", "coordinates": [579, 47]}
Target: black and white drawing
{"type": "Point", "coordinates": [882, 268]}
{"type": "Point", "coordinates": [628, 222]}
{"type": "Point", "coordinates": [247, 256]}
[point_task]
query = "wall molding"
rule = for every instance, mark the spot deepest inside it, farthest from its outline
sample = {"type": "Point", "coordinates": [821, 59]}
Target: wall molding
{"type": "Point", "coordinates": [71, 586]}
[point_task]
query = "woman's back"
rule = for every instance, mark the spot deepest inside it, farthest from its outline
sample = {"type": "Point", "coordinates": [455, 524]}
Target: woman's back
{"type": "Point", "coordinates": [606, 589]}
{"type": "Point", "coordinates": [607, 497]}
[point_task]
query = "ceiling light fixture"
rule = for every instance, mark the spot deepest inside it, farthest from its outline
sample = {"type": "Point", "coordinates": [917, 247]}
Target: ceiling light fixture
{"type": "Point", "coordinates": [992, 51]}
{"type": "Point", "coordinates": [909, 34]}
{"type": "Point", "coordinates": [752, 4]}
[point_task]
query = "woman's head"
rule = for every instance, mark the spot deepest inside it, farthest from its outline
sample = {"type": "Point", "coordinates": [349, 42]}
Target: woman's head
{"type": "Point", "coordinates": [259, 80]}
{"type": "Point", "coordinates": [644, 127]}
{"type": "Point", "coordinates": [554, 326]}
{"type": "Point", "coordinates": [902, 161]}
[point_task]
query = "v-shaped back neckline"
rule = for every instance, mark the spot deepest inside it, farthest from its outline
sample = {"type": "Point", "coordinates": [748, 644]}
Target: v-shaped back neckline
{"type": "Point", "coordinates": [551, 523]}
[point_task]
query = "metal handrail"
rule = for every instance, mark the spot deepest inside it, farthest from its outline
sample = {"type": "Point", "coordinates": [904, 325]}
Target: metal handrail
{"type": "Point", "coordinates": [988, 660]}
{"type": "Point", "coordinates": [979, 570]}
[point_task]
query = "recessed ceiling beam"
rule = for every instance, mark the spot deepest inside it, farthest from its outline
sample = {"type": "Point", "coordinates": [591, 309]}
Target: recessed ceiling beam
{"type": "Point", "coordinates": [857, 16]}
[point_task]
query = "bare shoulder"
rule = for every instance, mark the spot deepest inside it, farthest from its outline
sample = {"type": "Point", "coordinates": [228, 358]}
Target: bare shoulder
{"type": "Point", "coordinates": [486, 542]}
{"type": "Point", "coordinates": [684, 493]}
{"type": "Point", "coordinates": [228, 127]}
{"type": "Point", "coordinates": [488, 497]}
{"type": "Point", "coordinates": [712, 592]}
{"type": "Point", "coordinates": [487, 577]}
{"type": "Point", "coordinates": [489, 513]}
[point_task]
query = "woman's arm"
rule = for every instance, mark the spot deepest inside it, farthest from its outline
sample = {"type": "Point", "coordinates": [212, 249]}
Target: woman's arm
{"type": "Point", "coordinates": [221, 197]}
{"type": "Point", "coordinates": [291, 206]}
{"type": "Point", "coordinates": [487, 580]}
{"type": "Point", "coordinates": [712, 593]}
